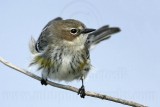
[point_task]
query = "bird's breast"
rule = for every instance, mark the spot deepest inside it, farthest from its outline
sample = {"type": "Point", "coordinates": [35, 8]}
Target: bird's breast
{"type": "Point", "coordinates": [69, 65]}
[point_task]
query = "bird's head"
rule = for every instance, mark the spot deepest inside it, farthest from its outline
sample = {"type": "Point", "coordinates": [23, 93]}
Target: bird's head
{"type": "Point", "coordinates": [69, 29]}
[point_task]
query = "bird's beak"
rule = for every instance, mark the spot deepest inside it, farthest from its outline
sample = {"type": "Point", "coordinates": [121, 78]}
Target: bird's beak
{"type": "Point", "coordinates": [88, 30]}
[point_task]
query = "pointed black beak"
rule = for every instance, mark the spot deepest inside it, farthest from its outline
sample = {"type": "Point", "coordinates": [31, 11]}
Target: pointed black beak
{"type": "Point", "coordinates": [88, 30]}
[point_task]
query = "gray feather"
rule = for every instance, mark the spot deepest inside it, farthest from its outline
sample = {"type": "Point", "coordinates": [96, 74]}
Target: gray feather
{"type": "Point", "coordinates": [101, 34]}
{"type": "Point", "coordinates": [32, 43]}
{"type": "Point", "coordinates": [42, 41]}
{"type": "Point", "coordinates": [52, 21]}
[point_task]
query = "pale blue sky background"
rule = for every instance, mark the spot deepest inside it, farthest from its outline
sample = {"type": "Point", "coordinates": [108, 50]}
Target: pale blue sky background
{"type": "Point", "coordinates": [125, 66]}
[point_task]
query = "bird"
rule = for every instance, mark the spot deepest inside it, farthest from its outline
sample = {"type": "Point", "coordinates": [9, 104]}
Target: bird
{"type": "Point", "coordinates": [62, 51]}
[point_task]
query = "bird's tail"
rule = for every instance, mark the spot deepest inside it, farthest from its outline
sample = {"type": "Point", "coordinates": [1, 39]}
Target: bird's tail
{"type": "Point", "coordinates": [101, 34]}
{"type": "Point", "coordinates": [32, 44]}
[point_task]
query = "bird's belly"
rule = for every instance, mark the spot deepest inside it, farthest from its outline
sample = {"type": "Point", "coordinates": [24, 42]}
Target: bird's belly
{"type": "Point", "coordinates": [70, 68]}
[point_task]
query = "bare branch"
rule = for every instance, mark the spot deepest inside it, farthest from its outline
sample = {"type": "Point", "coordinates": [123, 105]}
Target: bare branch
{"type": "Point", "coordinates": [70, 88]}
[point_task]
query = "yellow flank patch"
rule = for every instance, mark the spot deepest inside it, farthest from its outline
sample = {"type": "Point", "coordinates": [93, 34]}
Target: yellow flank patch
{"type": "Point", "coordinates": [81, 67]}
{"type": "Point", "coordinates": [44, 62]}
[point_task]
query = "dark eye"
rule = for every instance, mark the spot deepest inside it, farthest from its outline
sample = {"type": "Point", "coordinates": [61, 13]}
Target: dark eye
{"type": "Point", "coordinates": [74, 31]}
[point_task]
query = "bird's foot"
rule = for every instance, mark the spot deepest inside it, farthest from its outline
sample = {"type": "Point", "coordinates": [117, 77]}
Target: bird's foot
{"type": "Point", "coordinates": [81, 91]}
{"type": "Point", "coordinates": [44, 82]}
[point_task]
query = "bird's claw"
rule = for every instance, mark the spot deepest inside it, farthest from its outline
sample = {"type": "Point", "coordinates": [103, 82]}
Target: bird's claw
{"type": "Point", "coordinates": [81, 91]}
{"type": "Point", "coordinates": [43, 82]}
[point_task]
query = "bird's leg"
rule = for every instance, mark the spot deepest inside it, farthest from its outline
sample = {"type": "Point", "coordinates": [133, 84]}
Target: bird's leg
{"type": "Point", "coordinates": [44, 77]}
{"type": "Point", "coordinates": [44, 81]}
{"type": "Point", "coordinates": [81, 90]}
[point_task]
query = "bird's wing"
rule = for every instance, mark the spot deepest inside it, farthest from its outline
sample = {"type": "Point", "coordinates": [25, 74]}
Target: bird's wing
{"type": "Point", "coordinates": [50, 22]}
{"type": "Point", "coordinates": [101, 34]}
{"type": "Point", "coordinates": [42, 41]}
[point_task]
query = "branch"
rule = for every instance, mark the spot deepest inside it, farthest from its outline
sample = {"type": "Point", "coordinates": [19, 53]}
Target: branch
{"type": "Point", "coordinates": [73, 89]}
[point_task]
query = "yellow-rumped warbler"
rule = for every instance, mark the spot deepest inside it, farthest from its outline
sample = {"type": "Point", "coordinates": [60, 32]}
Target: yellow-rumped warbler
{"type": "Point", "coordinates": [62, 49]}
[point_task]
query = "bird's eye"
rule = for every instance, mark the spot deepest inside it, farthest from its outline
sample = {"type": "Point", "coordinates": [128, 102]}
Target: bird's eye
{"type": "Point", "coordinates": [74, 31]}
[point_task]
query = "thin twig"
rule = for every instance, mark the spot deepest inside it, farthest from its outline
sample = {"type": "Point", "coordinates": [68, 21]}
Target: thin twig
{"type": "Point", "coordinates": [73, 89]}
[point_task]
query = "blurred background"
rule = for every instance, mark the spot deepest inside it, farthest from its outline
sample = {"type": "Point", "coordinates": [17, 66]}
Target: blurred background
{"type": "Point", "coordinates": [126, 66]}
